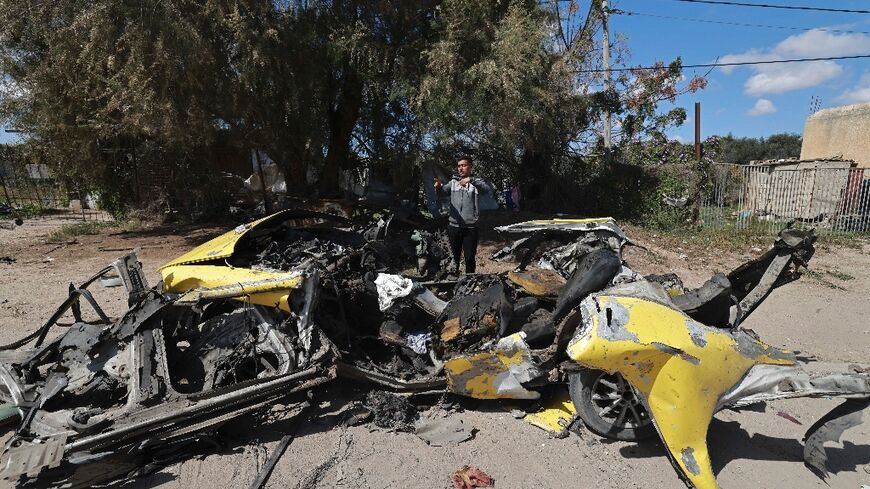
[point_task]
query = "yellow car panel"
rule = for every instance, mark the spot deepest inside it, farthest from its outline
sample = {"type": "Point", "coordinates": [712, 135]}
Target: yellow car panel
{"type": "Point", "coordinates": [588, 220]}
{"type": "Point", "coordinates": [680, 366]}
{"type": "Point", "coordinates": [496, 374]}
{"type": "Point", "coordinates": [216, 248]}
{"type": "Point", "coordinates": [216, 281]}
{"type": "Point", "coordinates": [556, 416]}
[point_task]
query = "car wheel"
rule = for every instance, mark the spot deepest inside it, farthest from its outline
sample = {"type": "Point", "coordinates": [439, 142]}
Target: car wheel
{"type": "Point", "coordinates": [609, 406]}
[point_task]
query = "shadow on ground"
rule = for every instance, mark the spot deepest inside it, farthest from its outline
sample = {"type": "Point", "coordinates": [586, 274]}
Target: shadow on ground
{"type": "Point", "coordinates": [728, 441]}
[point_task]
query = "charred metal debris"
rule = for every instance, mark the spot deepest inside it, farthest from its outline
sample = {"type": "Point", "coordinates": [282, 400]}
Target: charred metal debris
{"type": "Point", "coordinates": [277, 307]}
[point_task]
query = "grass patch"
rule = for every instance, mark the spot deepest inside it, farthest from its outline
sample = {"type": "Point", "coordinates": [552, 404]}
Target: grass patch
{"type": "Point", "coordinates": [90, 228]}
{"type": "Point", "coordinates": [84, 228]}
{"type": "Point", "coordinates": [30, 211]}
{"type": "Point", "coordinates": [734, 239]}
{"type": "Point", "coordinates": [851, 240]}
{"type": "Point", "coordinates": [714, 239]}
{"type": "Point", "coordinates": [840, 275]}
{"type": "Point", "coordinates": [821, 279]}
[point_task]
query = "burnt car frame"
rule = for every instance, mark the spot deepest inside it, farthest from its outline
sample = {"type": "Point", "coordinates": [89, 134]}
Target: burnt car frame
{"type": "Point", "coordinates": [296, 299]}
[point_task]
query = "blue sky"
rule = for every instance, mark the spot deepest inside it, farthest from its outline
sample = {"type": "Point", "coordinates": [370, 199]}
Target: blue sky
{"type": "Point", "coordinates": [748, 101]}
{"type": "Point", "coordinates": [753, 101]}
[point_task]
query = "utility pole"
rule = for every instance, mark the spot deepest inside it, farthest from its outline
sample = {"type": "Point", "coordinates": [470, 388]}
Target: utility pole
{"type": "Point", "coordinates": [608, 118]}
{"type": "Point", "coordinates": [702, 171]}
{"type": "Point", "coordinates": [698, 131]}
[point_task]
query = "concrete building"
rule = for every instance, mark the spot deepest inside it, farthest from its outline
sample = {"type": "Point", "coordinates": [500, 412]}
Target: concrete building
{"type": "Point", "coordinates": [839, 131]}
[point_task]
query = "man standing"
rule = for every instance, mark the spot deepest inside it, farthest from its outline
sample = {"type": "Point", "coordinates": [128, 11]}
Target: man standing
{"type": "Point", "coordinates": [464, 211]}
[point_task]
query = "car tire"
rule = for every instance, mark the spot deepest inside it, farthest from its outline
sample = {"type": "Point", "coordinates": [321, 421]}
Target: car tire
{"type": "Point", "coordinates": [609, 406]}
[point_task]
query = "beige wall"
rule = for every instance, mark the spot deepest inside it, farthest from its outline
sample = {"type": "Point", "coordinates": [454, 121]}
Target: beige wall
{"type": "Point", "coordinates": [839, 131]}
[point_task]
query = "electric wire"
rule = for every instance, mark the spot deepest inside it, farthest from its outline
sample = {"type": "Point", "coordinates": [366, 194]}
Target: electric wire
{"type": "Point", "coordinates": [733, 63]}
{"type": "Point", "coordinates": [739, 24]}
{"type": "Point", "coordinates": [767, 5]}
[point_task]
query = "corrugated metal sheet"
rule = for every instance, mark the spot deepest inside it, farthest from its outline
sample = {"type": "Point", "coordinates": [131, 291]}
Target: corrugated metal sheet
{"type": "Point", "coordinates": [830, 196]}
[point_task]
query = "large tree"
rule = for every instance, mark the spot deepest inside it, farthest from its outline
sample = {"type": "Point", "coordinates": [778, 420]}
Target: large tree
{"type": "Point", "coordinates": [742, 150]}
{"type": "Point", "coordinates": [322, 86]}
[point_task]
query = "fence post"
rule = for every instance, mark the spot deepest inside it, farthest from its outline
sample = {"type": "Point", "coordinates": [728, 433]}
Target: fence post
{"type": "Point", "coordinates": [5, 192]}
{"type": "Point", "coordinates": [266, 205]}
{"type": "Point", "coordinates": [35, 187]}
{"type": "Point", "coordinates": [82, 204]}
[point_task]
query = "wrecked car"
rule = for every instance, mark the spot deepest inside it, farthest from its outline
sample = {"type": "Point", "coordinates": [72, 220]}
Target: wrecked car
{"type": "Point", "coordinates": [291, 301]}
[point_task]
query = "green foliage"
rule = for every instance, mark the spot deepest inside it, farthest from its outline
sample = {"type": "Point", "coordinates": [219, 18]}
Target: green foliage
{"type": "Point", "coordinates": [492, 84]}
{"type": "Point", "coordinates": [743, 150]}
{"type": "Point", "coordinates": [84, 228]}
{"type": "Point", "coordinates": [30, 210]}
{"type": "Point", "coordinates": [92, 228]}
{"type": "Point", "coordinates": [661, 167]}
{"type": "Point", "coordinates": [840, 275]}
{"type": "Point", "coordinates": [110, 91]}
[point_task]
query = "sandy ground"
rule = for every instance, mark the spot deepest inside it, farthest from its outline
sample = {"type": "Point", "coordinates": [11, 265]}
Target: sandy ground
{"type": "Point", "coordinates": [824, 317]}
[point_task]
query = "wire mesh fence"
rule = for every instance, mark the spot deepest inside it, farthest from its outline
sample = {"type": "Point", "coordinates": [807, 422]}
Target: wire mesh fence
{"type": "Point", "coordinates": [31, 190]}
{"type": "Point", "coordinates": [764, 198]}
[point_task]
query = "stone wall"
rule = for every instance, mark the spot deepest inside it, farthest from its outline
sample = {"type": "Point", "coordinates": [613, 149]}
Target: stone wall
{"type": "Point", "coordinates": [839, 131]}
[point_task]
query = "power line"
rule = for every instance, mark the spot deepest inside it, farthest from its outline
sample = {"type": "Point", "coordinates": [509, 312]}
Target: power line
{"type": "Point", "coordinates": [734, 63]}
{"type": "Point", "coordinates": [644, 14]}
{"type": "Point", "coordinates": [787, 7]}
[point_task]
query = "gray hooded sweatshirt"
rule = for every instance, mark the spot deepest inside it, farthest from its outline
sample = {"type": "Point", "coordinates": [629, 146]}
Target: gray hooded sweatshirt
{"type": "Point", "coordinates": [464, 207]}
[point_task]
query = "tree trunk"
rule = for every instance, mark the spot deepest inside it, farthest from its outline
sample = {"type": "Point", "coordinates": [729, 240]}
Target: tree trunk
{"type": "Point", "coordinates": [294, 162]}
{"type": "Point", "coordinates": [342, 120]}
{"type": "Point", "coordinates": [534, 175]}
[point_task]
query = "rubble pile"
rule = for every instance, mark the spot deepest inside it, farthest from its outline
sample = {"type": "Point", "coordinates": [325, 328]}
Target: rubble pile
{"type": "Point", "coordinates": [390, 411]}
{"type": "Point", "coordinates": [276, 308]}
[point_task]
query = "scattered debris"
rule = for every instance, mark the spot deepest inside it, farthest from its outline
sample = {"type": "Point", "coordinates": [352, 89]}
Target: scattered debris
{"type": "Point", "coordinates": [111, 280]}
{"type": "Point", "coordinates": [59, 245]}
{"type": "Point", "coordinates": [392, 287]}
{"type": "Point", "coordinates": [785, 415]}
{"type": "Point", "coordinates": [443, 432]}
{"type": "Point", "coordinates": [556, 417]}
{"type": "Point", "coordinates": [830, 428]}
{"type": "Point", "coordinates": [7, 260]}
{"type": "Point", "coordinates": [391, 411]}
{"type": "Point", "coordinates": [266, 470]}
{"type": "Point", "coordinates": [356, 415]}
{"type": "Point", "coordinates": [277, 307]}
{"type": "Point", "coordinates": [675, 201]}
{"type": "Point", "coordinates": [471, 477]}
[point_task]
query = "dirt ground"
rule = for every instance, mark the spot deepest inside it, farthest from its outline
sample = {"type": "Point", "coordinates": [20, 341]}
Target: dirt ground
{"type": "Point", "coordinates": [825, 317]}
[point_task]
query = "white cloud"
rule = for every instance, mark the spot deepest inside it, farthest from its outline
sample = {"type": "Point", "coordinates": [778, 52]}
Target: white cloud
{"type": "Point", "coordinates": [817, 44]}
{"type": "Point", "coordinates": [859, 93]}
{"type": "Point", "coordinates": [785, 77]}
{"type": "Point", "coordinates": [762, 107]}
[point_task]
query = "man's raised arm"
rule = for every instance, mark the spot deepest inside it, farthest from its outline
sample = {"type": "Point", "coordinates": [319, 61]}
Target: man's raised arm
{"type": "Point", "coordinates": [482, 186]}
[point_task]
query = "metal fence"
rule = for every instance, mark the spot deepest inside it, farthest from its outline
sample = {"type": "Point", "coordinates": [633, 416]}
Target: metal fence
{"type": "Point", "coordinates": [29, 190]}
{"type": "Point", "coordinates": [766, 197]}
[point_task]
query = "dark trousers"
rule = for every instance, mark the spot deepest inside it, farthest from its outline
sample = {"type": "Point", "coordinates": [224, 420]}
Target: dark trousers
{"type": "Point", "coordinates": [463, 240]}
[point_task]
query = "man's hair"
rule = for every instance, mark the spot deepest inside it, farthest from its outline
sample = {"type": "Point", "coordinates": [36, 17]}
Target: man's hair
{"type": "Point", "coordinates": [466, 158]}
